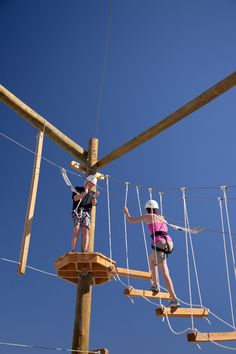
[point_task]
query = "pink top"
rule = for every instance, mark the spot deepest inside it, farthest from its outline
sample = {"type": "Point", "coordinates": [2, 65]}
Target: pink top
{"type": "Point", "coordinates": [159, 226]}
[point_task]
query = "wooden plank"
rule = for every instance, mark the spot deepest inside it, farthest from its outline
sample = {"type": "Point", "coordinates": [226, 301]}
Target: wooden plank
{"type": "Point", "coordinates": [182, 312]}
{"type": "Point", "coordinates": [146, 293]}
{"type": "Point", "coordinates": [42, 124]}
{"type": "Point", "coordinates": [77, 166]}
{"type": "Point", "coordinates": [31, 205]}
{"type": "Point", "coordinates": [201, 100]}
{"type": "Point", "coordinates": [133, 273]}
{"type": "Point", "coordinates": [207, 337]}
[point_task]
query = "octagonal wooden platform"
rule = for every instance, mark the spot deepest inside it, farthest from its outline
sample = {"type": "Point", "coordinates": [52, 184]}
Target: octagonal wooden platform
{"type": "Point", "coordinates": [73, 265]}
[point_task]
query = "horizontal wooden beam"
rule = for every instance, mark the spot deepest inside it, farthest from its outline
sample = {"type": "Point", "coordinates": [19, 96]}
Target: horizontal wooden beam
{"type": "Point", "coordinates": [182, 312]}
{"type": "Point", "coordinates": [42, 124]}
{"type": "Point", "coordinates": [209, 337]}
{"type": "Point", "coordinates": [124, 272]}
{"type": "Point", "coordinates": [146, 293]}
{"type": "Point", "coordinates": [173, 118]}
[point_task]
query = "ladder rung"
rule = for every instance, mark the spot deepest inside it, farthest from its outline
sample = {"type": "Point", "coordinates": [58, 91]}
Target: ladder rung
{"type": "Point", "coordinates": [208, 337]}
{"type": "Point", "coordinates": [146, 293]}
{"type": "Point", "coordinates": [181, 312]}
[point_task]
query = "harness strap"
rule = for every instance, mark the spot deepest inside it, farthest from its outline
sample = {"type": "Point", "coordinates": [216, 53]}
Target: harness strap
{"type": "Point", "coordinates": [163, 234]}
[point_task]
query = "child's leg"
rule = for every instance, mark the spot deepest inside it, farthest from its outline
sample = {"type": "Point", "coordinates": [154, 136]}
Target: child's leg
{"type": "Point", "coordinates": [75, 236]}
{"type": "Point", "coordinates": [153, 268]}
{"type": "Point", "coordinates": [167, 279]}
{"type": "Point", "coordinates": [85, 238]}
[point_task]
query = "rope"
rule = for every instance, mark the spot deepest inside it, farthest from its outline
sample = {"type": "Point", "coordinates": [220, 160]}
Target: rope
{"type": "Point", "coordinates": [109, 216]}
{"type": "Point", "coordinates": [99, 105]}
{"type": "Point", "coordinates": [226, 261]}
{"type": "Point", "coordinates": [223, 188]}
{"type": "Point", "coordinates": [187, 252]}
{"type": "Point", "coordinates": [193, 254]}
{"type": "Point", "coordinates": [30, 346]}
{"type": "Point", "coordinates": [155, 253]}
{"type": "Point", "coordinates": [126, 234]}
{"type": "Point", "coordinates": [143, 230]}
{"type": "Point", "coordinates": [161, 201]}
{"type": "Point", "coordinates": [33, 268]}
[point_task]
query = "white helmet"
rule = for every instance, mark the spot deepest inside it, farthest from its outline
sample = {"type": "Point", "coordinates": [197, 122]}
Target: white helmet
{"type": "Point", "coordinates": [152, 204]}
{"type": "Point", "coordinates": [92, 179]}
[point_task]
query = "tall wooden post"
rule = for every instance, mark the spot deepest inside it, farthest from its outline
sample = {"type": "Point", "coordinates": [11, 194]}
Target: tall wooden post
{"type": "Point", "coordinates": [84, 289]}
{"type": "Point", "coordinates": [31, 205]}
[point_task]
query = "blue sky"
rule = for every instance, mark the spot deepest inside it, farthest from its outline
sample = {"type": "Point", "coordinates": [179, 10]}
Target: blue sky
{"type": "Point", "coordinates": [161, 55]}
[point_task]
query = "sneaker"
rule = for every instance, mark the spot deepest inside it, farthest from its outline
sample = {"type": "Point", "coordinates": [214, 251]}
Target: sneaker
{"type": "Point", "coordinates": [174, 303]}
{"type": "Point", "coordinates": [154, 289]}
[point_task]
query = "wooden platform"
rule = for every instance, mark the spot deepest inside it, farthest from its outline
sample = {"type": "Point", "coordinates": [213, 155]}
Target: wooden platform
{"type": "Point", "coordinates": [146, 293]}
{"type": "Point", "coordinates": [182, 312]}
{"type": "Point", "coordinates": [208, 337]}
{"type": "Point", "coordinates": [73, 265]}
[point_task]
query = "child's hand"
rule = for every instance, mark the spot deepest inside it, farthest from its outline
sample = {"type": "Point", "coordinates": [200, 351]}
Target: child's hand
{"type": "Point", "coordinates": [126, 211]}
{"type": "Point", "coordinates": [96, 194]}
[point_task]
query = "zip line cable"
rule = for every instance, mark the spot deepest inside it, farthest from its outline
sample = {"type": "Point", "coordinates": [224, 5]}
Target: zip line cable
{"type": "Point", "coordinates": [122, 181]}
{"type": "Point", "coordinates": [101, 91]}
{"type": "Point", "coordinates": [30, 346]}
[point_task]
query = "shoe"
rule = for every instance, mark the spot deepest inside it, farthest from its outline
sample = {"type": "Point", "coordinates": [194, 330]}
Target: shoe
{"type": "Point", "coordinates": [154, 289]}
{"type": "Point", "coordinates": [174, 303]}
{"type": "Point", "coordinates": [73, 251]}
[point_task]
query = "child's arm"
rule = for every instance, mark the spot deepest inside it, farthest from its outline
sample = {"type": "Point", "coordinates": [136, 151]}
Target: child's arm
{"type": "Point", "coordinates": [131, 219]}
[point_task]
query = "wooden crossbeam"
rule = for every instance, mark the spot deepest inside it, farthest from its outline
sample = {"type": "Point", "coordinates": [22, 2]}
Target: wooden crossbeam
{"type": "Point", "coordinates": [42, 124]}
{"type": "Point", "coordinates": [199, 101]}
{"type": "Point", "coordinates": [208, 337]}
{"type": "Point", "coordinates": [182, 312]}
{"type": "Point", "coordinates": [133, 273]}
{"type": "Point", "coordinates": [146, 293]}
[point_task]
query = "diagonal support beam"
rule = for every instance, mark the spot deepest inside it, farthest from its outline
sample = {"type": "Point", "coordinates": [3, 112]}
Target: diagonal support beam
{"type": "Point", "coordinates": [170, 120]}
{"type": "Point", "coordinates": [42, 124]}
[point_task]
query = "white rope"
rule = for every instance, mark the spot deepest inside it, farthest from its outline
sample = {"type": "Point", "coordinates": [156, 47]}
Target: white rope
{"type": "Point", "coordinates": [143, 230]}
{"type": "Point", "coordinates": [33, 268]}
{"type": "Point", "coordinates": [187, 251]}
{"type": "Point", "coordinates": [161, 201]}
{"type": "Point", "coordinates": [226, 261]}
{"type": "Point", "coordinates": [224, 188]}
{"type": "Point", "coordinates": [30, 346]}
{"type": "Point", "coordinates": [67, 181]}
{"type": "Point", "coordinates": [126, 233]}
{"type": "Point", "coordinates": [155, 253]}
{"type": "Point", "coordinates": [193, 256]}
{"type": "Point", "coordinates": [109, 216]}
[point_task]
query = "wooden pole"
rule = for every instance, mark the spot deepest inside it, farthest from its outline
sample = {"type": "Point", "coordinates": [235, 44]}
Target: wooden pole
{"type": "Point", "coordinates": [173, 118]}
{"type": "Point", "coordinates": [84, 290]}
{"type": "Point", "coordinates": [42, 124]}
{"type": "Point", "coordinates": [31, 205]}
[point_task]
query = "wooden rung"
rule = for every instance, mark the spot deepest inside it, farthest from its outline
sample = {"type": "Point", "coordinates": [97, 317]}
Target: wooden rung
{"type": "Point", "coordinates": [181, 312]}
{"type": "Point", "coordinates": [146, 293]}
{"type": "Point", "coordinates": [133, 273]}
{"type": "Point", "coordinates": [208, 337]}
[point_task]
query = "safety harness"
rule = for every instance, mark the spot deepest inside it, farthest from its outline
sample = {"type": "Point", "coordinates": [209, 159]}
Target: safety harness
{"type": "Point", "coordinates": [167, 250]}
